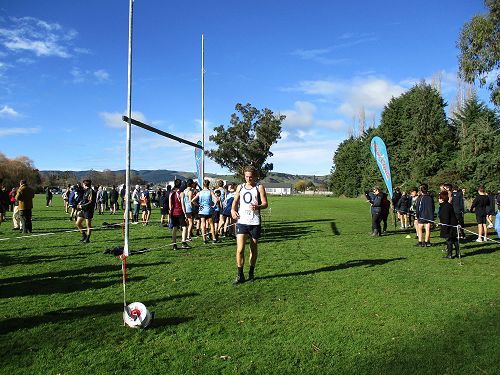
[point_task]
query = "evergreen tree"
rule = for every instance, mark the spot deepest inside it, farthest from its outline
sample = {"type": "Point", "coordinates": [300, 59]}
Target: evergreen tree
{"type": "Point", "coordinates": [247, 140]}
{"type": "Point", "coordinates": [478, 159]}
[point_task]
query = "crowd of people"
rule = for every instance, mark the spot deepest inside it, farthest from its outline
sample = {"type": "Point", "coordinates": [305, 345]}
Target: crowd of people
{"type": "Point", "coordinates": [211, 212]}
{"type": "Point", "coordinates": [416, 209]}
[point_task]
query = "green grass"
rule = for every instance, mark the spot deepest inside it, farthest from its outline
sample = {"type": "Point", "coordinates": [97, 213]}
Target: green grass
{"type": "Point", "coordinates": [328, 299]}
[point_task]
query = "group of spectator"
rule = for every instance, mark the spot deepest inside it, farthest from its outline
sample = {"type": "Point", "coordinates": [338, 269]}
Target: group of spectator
{"type": "Point", "coordinates": [416, 209]}
{"type": "Point", "coordinates": [20, 202]}
{"type": "Point", "coordinates": [211, 211]}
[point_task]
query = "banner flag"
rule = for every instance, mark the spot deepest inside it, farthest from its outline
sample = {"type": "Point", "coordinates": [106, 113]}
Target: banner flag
{"type": "Point", "coordinates": [379, 151]}
{"type": "Point", "coordinates": [197, 157]}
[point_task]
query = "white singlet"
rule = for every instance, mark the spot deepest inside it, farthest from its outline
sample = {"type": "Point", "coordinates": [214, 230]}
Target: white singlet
{"type": "Point", "coordinates": [247, 198]}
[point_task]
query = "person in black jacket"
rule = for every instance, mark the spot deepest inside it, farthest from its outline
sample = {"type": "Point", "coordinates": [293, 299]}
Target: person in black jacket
{"type": "Point", "coordinates": [457, 201]}
{"type": "Point", "coordinates": [425, 216]}
{"type": "Point", "coordinates": [403, 207]}
{"type": "Point", "coordinates": [86, 211]}
{"type": "Point", "coordinates": [479, 207]}
{"type": "Point", "coordinates": [448, 223]}
{"type": "Point", "coordinates": [396, 196]}
{"type": "Point", "coordinates": [375, 200]}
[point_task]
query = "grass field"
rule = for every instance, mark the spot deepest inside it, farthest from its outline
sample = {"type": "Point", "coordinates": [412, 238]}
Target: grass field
{"type": "Point", "coordinates": [328, 299]}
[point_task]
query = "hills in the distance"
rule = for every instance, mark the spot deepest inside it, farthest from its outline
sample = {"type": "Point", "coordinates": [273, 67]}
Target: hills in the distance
{"type": "Point", "coordinates": [160, 176]}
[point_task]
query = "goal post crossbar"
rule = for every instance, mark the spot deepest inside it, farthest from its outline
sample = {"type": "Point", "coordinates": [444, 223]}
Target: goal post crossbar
{"type": "Point", "coordinates": [160, 132]}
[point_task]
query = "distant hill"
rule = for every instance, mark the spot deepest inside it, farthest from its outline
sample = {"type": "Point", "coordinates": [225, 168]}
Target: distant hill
{"type": "Point", "coordinates": [160, 176]}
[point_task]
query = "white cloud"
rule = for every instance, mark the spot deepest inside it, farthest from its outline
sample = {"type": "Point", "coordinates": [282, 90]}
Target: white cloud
{"type": "Point", "coordinates": [301, 116]}
{"type": "Point", "coordinates": [321, 55]}
{"type": "Point", "coordinates": [78, 75]}
{"type": "Point", "coordinates": [320, 87]}
{"type": "Point", "coordinates": [318, 55]}
{"type": "Point", "coordinates": [114, 119]}
{"type": "Point", "coordinates": [369, 92]}
{"type": "Point", "coordinates": [314, 156]}
{"type": "Point", "coordinates": [7, 111]}
{"type": "Point", "coordinates": [28, 34]}
{"type": "Point", "coordinates": [101, 75]}
{"type": "Point", "coordinates": [5, 132]}
{"type": "Point", "coordinates": [98, 76]}
{"type": "Point", "coordinates": [331, 124]}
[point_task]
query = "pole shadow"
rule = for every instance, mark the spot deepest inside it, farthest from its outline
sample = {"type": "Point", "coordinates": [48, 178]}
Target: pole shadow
{"type": "Point", "coordinates": [341, 266]}
{"type": "Point", "coordinates": [335, 231]}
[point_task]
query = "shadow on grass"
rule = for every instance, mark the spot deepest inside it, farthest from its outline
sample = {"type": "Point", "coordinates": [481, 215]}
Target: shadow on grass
{"type": "Point", "coordinates": [104, 268]}
{"type": "Point", "coordinates": [341, 266]}
{"type": "Point", "coordinates": [335, 231]}
{"type": "Point", "coordinates": [69, 314]}
{"type": "Point", "coordinates": [483, 248]}
{"type": "Point", "coordinates": [278, 231]}
{"type": "Point", "coordinates": [8, 260]}
{"type": "Point", "coordinates": [61, 285]}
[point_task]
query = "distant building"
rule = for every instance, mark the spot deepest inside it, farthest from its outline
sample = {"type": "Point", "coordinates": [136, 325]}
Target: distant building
{"type": "Point", "coordinates": [278, 189]}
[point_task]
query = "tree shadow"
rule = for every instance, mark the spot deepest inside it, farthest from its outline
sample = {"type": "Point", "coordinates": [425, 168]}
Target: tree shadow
{"type": "Point", "coordinates": [69, 314]}
{"type": "Point", "coordinates": [341, 266]}
{"type": "Point", "coordinates": [8, 260]}
{"type": "Point", "coordinates": [60, 285]}
{"type": "Point", "coordinates": [85, 271]}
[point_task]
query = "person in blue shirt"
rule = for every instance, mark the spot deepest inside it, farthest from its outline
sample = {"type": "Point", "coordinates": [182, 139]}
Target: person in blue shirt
{"type": "Point", "coordinates": [206, 201]}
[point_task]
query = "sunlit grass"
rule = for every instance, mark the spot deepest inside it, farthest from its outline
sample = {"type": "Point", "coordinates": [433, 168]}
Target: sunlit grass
{"type": "Point", "coordinates": [328, 298]}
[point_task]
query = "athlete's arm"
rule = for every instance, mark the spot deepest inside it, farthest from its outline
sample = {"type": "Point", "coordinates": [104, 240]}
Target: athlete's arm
{"type": "Point", "coordinates": [263, 198]}
{"type": "Point", "coordinates": [183, 204]}
{"type": "Point", "coordinates": [234, 206]}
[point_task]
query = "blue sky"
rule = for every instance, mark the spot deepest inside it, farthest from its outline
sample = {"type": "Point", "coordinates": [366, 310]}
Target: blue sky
{"type": "Point", "coordinates": [63, 73]}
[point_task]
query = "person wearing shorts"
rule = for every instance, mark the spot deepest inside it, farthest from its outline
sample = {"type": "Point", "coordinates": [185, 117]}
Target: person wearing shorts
{"type": "Point", "coordinates": [187, 195]}
{"type": "Point", "coordinates": [145, 205]}
{"type": "Point", "coordinates": [177, 216]}
{"type": "Point", "coordinates": [206, 201]}
{"type": "Point", "coordinates": [163, 203]}
{"type": "Point", "coordinates": [249, 199]}
{"type": "Point", "coordinates": [479, 207]}
{"type": "Point", "coordinates": [86, 211]}
{"type": "Point", "coordinates": [425, 215]}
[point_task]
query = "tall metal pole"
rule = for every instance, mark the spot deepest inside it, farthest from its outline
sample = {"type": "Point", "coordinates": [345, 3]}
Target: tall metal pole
{"type": "Point", "coordinates": [202, 108]}
{"type": "Point", "coordinates": [129, 130]}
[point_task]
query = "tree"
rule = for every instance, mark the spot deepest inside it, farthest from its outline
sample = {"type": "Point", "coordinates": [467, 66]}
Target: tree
{"type": "Point", "coordinates": [13, 170]}
{"type": "Point", "coordinates": [247, 140]}
{"type": "Point", "coordinates": [418, 138]}
{"type": "Point", "coordinates": [300, 185]}
{"type": "Point", "coordinates": [479, 44]}
{"type": "Point", "coordinates": [478, 128]}
{"type": "Point", "coordinates": [348, 168]}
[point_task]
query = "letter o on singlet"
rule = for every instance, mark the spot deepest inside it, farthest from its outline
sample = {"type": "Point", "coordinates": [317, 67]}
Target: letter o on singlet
{"type": "Point", "coordinates": [247, 197]}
